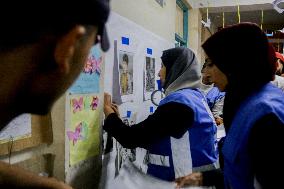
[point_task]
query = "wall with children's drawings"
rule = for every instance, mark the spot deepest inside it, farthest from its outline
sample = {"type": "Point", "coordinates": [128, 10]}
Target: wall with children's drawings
{"type": "Point", "coordinates": [138, 40]}
{"type": "Point", "coordinates": [83, 155]}
{"type": "Point", "coordinates": [83, 120]}
{"type": "Point", "coordinates": [84, 171]}
{"type": "Point", "coordinates": [133, 40]}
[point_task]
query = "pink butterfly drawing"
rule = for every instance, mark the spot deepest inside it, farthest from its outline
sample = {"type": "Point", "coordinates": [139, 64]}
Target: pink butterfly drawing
{"type": "Point", "coordinates": [75, 136]}
{"type": "Point", "coordinates": [77, 104]}
{"type": "Point", "coordinates": [94, 103]}
{"type": "Point", "coordinates": [93, 65]}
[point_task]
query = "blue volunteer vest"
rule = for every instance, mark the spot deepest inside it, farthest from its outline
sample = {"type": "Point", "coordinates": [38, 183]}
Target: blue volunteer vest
{"type": "Point", "coordinates": [172, 158]}
{"type": "Point", "coordinates": [214, 95]}
{"type": "Point", "coordinates": [238, 171]}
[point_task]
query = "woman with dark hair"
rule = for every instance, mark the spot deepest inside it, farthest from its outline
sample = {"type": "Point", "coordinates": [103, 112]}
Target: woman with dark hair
{"type": "Point", "coordinates": [253, 109]}
{"type": "Point", "coordinates": [180, 134]}
{"type": "Point", "coordinates": [280, 63]}
{"type": "Point", "coordinates": [124, 75]}
{"type": "Point", "coordinates": [215, 98]}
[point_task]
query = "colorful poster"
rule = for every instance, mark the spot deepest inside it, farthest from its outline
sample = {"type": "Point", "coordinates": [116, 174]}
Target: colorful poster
{"type": "Point", "coordinates": [149, 82]}
{"type": "Point", "coordinates": [126, 73]}
{"type": "Point", "coordinates": [84, 128]}
{"type": "Point", "coordinates": [149, 77]}
{"type": "Point", "coordinates": [89, 79]}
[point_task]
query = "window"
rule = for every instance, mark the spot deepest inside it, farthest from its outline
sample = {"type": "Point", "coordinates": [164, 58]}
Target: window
{"type": "Point", "coordinates": [181, 24]}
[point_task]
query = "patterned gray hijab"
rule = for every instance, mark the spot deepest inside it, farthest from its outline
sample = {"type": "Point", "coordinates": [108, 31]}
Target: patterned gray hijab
{"type": "Point", "coordinates": [182, 69]}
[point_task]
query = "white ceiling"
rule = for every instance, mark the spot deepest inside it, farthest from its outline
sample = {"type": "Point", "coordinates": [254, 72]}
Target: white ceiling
{"type": "Point", "coordinates": [222, 3]}
{"type": "Point", "coordinates": [272, 20]}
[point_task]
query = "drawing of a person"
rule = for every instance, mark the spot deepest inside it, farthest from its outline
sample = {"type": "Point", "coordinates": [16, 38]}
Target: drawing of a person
{"type": "Point", "coordinates": [150, 76]}
{"type": "Point", "coordinates": [124, 75]}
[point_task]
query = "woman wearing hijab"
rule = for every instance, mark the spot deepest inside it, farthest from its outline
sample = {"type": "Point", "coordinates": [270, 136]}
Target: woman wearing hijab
{"type": "Point", "coordinates": [215, 98]}
{"type": "Point", "coordinates": [180, 134]}
{"type": "Point", "coordinates": [253, 108]}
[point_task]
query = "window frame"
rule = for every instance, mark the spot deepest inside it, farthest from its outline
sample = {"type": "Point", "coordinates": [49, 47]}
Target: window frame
{"type": "Point", "coordinates": [183, 40]}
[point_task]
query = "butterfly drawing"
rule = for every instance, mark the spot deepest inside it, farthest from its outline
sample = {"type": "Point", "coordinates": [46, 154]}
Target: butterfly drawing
{"type": "Point", "coordinates": [93, 65]}
{"type": "Point", "coordinates": [81, 133]}
{"type": "Point", "coordinates": [75, 136]}
{"type": "Point", "coordinates": [94, 103]}
{"type": "Point", "coordinates": [77, 104]}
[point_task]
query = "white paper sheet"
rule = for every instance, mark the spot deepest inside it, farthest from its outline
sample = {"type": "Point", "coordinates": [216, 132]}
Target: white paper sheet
{"type": "Point", "coordinates": [149, 83]}
{"type": "Point", "coordinates": [130, 177]}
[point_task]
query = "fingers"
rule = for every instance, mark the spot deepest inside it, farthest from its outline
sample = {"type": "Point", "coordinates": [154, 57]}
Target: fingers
{"type": "Point", "coordinates": [107, 99]}
{"type": "Point", "coordinates": [115, 105]}
{"type": "Point", "coordinates": [218, 121]}
{"type": "Point", "coordinates": [179, 185]}
{"type": "Point", "coordinates": [115, 108]}
{"type": "Point", "coordinates": [180, 182]}
{"type": "Point", "coordinates": [107, 104]}
{"type": "Point", "coordinates": [194, 179]}
{"type": "Point", "coordinates": [108, 110]}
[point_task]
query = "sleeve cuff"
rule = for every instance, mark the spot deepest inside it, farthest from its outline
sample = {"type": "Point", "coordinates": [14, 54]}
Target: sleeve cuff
{"type": "Point", "coordinates": [110, 120]}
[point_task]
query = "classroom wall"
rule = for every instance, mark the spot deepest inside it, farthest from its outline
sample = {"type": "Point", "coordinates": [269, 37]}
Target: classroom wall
{"type": "Point", "coordinates": [138, 103]}
{"type": "Point", "coordinates": [150, 15]}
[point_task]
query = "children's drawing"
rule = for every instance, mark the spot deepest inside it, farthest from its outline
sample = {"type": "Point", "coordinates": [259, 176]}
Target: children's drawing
{"type": "Point", "coordinates": [77, 104]}
{"type": "Point", "coordinates": [80, 133]}
{"type": "Point", "coordinates": [89, 80]}
{"type": "Point", "coordinates": [94, 103]}
{"type": "Point", "coordinates": [126, 72]}
{"type": "Point", "coordinates": [123, 153]}
{"type": "Point", "coordinates": [93, 65]}
{"type": "Point", "coordinates": [75, 136]}
{"type": "Point", "coordinates": [83, 130]}
{"type": "Point", "coordinates": [150, 74]}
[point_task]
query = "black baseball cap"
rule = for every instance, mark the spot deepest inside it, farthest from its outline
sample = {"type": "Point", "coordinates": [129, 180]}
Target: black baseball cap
{"type": "Point", "coordinates": [103, 38]}
{"type": "Point", "coordinates": [103, 11]}
{"type": "Point", "coordinates": [23, 21]}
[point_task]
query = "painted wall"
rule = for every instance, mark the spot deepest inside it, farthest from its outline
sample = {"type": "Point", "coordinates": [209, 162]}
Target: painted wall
{"type": "Point", "coordinates": [150, 15]}
{"type": "Point", "coordinates": [194, 32]}
{"type": "Point", "coordinates": [161, 21]}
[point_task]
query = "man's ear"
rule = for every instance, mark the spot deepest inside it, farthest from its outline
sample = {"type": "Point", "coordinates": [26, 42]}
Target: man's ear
{"type": "Point", "coordinates": [65, 46]}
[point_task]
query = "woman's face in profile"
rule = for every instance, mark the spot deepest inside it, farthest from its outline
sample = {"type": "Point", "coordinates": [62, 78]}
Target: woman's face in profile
{"type": "Point", "coordinates": [217, 77]}
{"type": "Point", "coordinates": [162, 74]}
